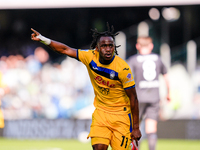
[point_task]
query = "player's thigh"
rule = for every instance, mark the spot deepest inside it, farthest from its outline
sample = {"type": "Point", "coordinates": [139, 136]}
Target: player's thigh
{"type": "Point", "coordinates": [99, 127]}
{"type": "Point", "coordinates": [100, 135]}
{"type": "Point", "coordinates": [120, 141]}
{"type": "Point", "coordinates": [152, 114]}
{"type": "Point", "coordinates": [104, 143]}
{"type": "Point", "coordinates": [122, 128]}
{"type": "Point", "coordinates": [152, 111]}
{"type": "Point", "coordinates": [142, 110]}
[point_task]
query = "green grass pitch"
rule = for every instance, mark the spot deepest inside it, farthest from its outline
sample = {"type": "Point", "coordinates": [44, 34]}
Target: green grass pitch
{"type": "Point", "coordinates": [58, 144]}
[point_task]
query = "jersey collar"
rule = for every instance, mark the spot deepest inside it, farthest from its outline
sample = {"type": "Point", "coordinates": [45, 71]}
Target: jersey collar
{"type": "Point", "coordinates": [108, 61]}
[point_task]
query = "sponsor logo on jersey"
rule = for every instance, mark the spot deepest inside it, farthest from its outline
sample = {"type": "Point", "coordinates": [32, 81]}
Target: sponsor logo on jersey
{"type": "Point", "coordinates": [142, 58]}
{"type": "Point", "coordinates": [100, 80]}
{"type": "Point", "coordinates": [104, 91]}
{"type": "Point", "coordinates": [126, 69]}
{"type": "Point", "coordinates": [149, 84]}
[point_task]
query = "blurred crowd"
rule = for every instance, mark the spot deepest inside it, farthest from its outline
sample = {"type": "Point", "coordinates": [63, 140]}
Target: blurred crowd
{"type": "Point", "coordinates": [32, 87]}
{"type": "Point", "coordinates": [35, 87]}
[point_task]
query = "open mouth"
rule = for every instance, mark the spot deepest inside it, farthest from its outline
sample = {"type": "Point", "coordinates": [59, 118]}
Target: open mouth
{"type": "Point", "coordinates": [108, 55]}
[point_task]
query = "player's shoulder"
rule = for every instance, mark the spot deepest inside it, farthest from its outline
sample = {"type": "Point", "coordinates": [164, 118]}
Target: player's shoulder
{"type": "Point", "coordinates": [132, 58]}
{"type": "Point", "coordinates": [155, 56]}
{"type": "Point", "coordinates": [86, 55]}
{"type": "Point", "coordinates": [87, 50]}
{"type": "Point", "coordinates": [120, 61]}
{"type": "Point", "coordinates": [122, 64]}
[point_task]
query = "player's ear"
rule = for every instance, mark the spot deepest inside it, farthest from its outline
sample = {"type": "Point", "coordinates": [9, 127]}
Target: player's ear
{"type": "Point", "coordinates": [97, 48]}
{"type": "Point", "coordinates": [137, 46]}
{"type": "Point", "coordinates": [151, 46]}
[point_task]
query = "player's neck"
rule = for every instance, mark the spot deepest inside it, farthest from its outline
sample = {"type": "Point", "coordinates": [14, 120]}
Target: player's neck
{"type": "Point", "coordinates": [145, 53]}
{"type": "Point", "coordinates": [106, 62]}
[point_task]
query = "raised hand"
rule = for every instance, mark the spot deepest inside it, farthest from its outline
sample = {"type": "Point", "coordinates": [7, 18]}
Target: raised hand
{"type": "Point", "coordinates": [34, 35]}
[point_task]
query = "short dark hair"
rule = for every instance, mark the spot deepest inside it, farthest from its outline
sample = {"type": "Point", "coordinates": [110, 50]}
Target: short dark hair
{"type": "Point", "coordinates": [97, 35]}
{"type": "Point", "coordinates": [146, 40]}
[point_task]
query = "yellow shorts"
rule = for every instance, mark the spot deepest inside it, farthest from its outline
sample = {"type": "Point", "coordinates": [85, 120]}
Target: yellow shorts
{"type": "Point", "coordinates": [107, 128]}
{"type": "Point", "coordinates": [1, 120]}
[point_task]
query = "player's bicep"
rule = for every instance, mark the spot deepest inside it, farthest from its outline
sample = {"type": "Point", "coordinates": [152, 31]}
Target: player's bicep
{"type": "Point", "coordinates": [63, 49]}
{"type": "Point", "coordinates": [131, 92]}
{"type": "Point", "coordinates": [126, 78]}
{"type": "Point", "coordinates": [85, 56]}
{"type": "Point", "coordinates": [72, 53]}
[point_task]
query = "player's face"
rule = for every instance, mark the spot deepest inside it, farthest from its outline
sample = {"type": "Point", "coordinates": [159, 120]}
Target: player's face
{"type": "Point", "coordinates": [144, 46]}
{"type": "Point", "coordinates": [106, 47]}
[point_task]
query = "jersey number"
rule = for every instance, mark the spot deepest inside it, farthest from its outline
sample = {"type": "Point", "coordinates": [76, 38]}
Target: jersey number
{"type": "Point", "coordinates": [124, 138]}
{"type": "Point", "coordinates": [149, 70]}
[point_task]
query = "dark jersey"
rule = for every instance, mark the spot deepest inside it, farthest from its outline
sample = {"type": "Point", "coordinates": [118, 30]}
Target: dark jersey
{"type": "Point", "coordinates": [146, 70]}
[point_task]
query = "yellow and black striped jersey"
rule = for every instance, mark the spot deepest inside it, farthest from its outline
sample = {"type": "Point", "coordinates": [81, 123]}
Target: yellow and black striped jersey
{"type": "Point", "coordinates": [109, 81]}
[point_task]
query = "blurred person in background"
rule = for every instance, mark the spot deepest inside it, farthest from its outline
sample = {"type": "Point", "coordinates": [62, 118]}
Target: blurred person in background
{"type": "Point", "coordinates": [39, 89]}
{"type": "Point", "coordinates": [1, 121]}
{"type": "Point", "coordinates": [115, 120]}
{"type": "Point", "coordinates": [146, 67]}
{"type": "Point", "coordinates": [3, 90]}
{"type": "Point", "coordinates": [36, 61]}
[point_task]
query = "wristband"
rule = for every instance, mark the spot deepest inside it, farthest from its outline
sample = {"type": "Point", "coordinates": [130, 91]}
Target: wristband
{"type": "Point", "coordinates": [43, 39]}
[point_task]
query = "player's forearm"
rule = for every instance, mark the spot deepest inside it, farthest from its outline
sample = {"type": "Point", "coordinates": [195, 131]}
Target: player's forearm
{"type": "Point", "coordinates": [54, 45]}
{"type": "Point", "coordinates": [59, 47]}
{"type": "Point", "coordinates": [135, 113]}
{"type": "Point", "coordinates": [131, 93]}
{"type": "Point", "coordinates": [166, 82]}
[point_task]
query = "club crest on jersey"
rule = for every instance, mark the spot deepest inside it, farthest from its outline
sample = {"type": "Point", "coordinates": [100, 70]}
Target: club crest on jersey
{"type": "Point", "coordinates": [129, 76]}
{"type": "Point", "coordinates": [112, 74]}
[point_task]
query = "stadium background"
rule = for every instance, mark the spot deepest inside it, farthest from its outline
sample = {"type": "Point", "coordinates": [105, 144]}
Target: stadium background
{"type": "Point", "coordinates": [52, 97]}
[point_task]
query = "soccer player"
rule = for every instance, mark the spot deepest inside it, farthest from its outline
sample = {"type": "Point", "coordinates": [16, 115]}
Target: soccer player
{"type": "Point", "coordinates": [146, 67]}
{"type": "Point", "coordinates": [115, 120]}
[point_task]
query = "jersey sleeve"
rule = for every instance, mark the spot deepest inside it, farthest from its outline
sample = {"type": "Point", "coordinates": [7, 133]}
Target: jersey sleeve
{"type": "Point", "coordinates": [85, 56]}
{"type": "Point", "coordinates": [131, 63]}
{"type": "Point", "coordinates": [126, 77]}
{"type": "Point", "coordinates": [163, 67]}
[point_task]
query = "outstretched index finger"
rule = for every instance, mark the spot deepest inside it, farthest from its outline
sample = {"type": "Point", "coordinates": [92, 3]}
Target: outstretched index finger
{"type": "Point", "coordinates": [37, 33]}
{"type": "Point", "coordinates": [136, 141]}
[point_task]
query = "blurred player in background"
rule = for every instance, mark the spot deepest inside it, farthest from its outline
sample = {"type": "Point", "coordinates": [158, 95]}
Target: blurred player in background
{"type": "Point", "coordinates": [147, 67]}
{"type": "Point", "coordinates": [115, 120]}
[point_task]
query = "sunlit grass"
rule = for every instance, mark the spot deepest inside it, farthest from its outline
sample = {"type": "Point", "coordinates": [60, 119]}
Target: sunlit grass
{"type": "Point", "coordinates": [174, 144]}
{"type": "Point", "coordinates": [58, 144]}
